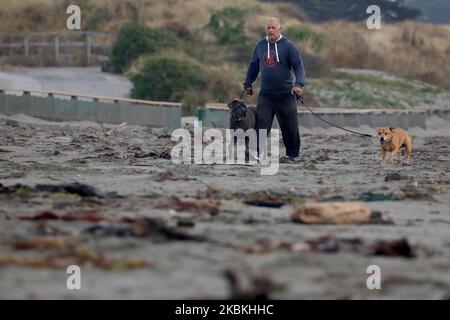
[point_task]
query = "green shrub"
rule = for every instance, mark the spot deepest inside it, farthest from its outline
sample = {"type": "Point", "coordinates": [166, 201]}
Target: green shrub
{"type": "Point", "coordinates": [169, 80]}
{"type": "Point", "coordinates": [136, 39]}
{"type": "Point", "coordinates": [227, 25]}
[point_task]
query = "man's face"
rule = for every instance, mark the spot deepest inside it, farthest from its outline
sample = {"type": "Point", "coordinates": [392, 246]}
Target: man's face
{"type": "Point", "coordinates": [273, 30]}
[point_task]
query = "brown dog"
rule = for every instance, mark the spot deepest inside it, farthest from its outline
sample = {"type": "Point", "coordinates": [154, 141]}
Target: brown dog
{"type": "Point", "coordinates": [392, 140]}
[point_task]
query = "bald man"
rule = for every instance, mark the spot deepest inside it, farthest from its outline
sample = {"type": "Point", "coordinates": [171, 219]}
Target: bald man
{"type": "Point", "coordinates": [282, 76]}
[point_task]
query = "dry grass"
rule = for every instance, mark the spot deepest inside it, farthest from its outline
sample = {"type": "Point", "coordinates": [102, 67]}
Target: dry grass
{"type": "Point", "coordinates": [30, 15]}
{"type": "Point", "coordinates": [409, 49]}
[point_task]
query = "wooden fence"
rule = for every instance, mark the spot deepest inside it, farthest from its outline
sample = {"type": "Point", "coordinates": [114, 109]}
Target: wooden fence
{"type": "Point", "coordinates": [55, 48]}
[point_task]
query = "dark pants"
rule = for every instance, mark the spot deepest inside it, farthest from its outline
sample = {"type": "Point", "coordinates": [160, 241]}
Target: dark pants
{"type": "Point", "coordinates": [286, 112]}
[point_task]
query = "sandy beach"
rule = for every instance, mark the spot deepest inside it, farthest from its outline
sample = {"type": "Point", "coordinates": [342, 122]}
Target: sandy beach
{"type": "Point", "coordinates": [152, 229]}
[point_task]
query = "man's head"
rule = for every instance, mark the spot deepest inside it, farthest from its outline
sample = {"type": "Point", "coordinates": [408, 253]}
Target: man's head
{"type": "Point", "coordinates": [273, 29]}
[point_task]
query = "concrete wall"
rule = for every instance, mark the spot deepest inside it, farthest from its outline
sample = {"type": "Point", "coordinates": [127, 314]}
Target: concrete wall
{"type": "Point", "coordinates": [216, 116]}
{"type": "Point", "coordinates": [73, 109]}
{"type": "Point", "coordinates": [161, 114]}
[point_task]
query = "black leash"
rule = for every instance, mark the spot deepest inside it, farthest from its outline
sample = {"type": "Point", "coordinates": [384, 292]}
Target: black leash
{"type": "Point", "coordinates": [242, 94]}
{"type": "Point", "coordinates": [300, 98]}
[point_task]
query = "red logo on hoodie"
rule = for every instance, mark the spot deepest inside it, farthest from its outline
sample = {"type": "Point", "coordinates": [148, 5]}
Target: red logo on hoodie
{"type": "Point", "coordinates": [271, 60]}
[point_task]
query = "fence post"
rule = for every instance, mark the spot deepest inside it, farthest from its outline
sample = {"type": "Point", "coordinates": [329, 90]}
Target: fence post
{"type": "Point", "coordinates": [56, 43]}
{"type": "Point", "coordinates": [88, 49]}
{"type": "Point", "coordinates": [26, 101]}
{"type": "Point", "coordinates": [26, 46]}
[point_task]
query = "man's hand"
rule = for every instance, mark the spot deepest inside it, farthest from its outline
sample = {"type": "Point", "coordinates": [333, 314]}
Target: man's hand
{"type": "Point", "coordinates": [248, 90]}
{"type": "Point", "coordinates": [297, 90]}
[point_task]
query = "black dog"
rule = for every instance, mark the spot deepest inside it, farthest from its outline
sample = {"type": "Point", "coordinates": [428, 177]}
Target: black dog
{"type": "Point", "coordinates": [242, 117]}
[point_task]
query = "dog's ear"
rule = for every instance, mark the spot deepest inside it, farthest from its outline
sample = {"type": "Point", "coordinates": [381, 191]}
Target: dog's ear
{"type": "Point", "coordinates": [390, 128]}
{"type": "Point", "coordinates": [233, 103]}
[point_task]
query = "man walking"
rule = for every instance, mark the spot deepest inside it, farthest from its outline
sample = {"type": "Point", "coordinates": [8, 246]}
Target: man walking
{"type": "Point", "coordinates": [282, 76]}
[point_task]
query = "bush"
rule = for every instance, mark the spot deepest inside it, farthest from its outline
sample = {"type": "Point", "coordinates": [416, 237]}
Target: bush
{"type": "Point", "coordinates": [169, 80]}
{"type": "Point", "coordinates": [228, 25]}
{"type": "Point", "coordinates": [136, 39]}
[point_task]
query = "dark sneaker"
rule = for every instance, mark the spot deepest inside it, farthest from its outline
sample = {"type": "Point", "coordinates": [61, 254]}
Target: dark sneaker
{"type": "Point", "coordinates": [286, 159]}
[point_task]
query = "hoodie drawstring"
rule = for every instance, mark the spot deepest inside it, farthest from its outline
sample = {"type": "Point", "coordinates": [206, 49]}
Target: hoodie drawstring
{"type": "Point", "coordinates": [276, 51]}
{"type": "Point", "coordinates": [276, 48]}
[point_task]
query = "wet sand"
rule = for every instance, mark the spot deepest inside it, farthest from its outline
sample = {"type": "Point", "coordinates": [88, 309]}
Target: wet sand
{"type": "Point", "coordinates": [129, 168]}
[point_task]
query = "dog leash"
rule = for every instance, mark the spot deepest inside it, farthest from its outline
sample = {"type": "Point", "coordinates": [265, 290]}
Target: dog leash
{"type": "Point", "coordinates": [242, 94]}
{"type": "Point", "coordinates": [300, 98]}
